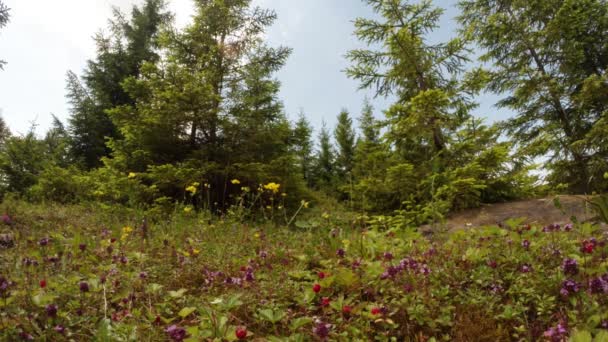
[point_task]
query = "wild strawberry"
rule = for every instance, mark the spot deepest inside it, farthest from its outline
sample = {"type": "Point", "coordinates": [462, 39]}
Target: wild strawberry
{"type": "Point", "coordinates": [346, 309]}
{"type": "Point", "coordinates": [375, 311]}
{"type": "Point", "coordinates": [325, 301]}
{"type": "Point", "coordinates": [43, 283]}
{"type": "Point", "coordinates": [316, 288]}
{"type": "Point", "coordinates": [321, 275]}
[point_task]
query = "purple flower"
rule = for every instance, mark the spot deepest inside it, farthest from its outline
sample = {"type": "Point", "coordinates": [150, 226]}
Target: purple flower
{"type": "Point", "coordinates": [598, 285]}
{"type": "Point", "coordinates": [569, 287]}
{"type": "Point", "coordinates": [84, 286]}
{"type": "Point", "coordinates": [525, 268]}
{"type": "Point", "coordinates": [82, 247]}
{"type": "Point", "coordinates": [570, 266]}
{"type": "Point", "coordinates": [557, 333]}
{"type": "Point", "coordinates": [568, 227]}
{"type": "Point", "coordinates": [51, 310]}
{"type": "Point", "coordinates": [176, 333]}
{"type": "Point", "coordinates": [321, 329]}
{"type": "Point", "coordinates": [525, 244]}
{"type": "Point", "coordinates": [263, 254]}
{"type": "Point", "coordinates": [340, 253]}
{"type": "Point", "coordinates": [43, 242]}
{"type": "Point", "coordinates": [143, 275]}
{"type": "Point", "coordinates": [604, 324]}
{"type": "Point", "coordinates": [388, 256]}
{"type": "Point", "coordinates": [59, 328]}
{"type": "Point", "coordinates": [424, 269]}
{"type": "Point", "coordinates": [7, 220]}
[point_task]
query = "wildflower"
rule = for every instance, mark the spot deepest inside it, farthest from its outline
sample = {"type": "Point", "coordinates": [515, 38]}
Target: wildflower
{"type": "Point", "coordinates": [176, 333]}
{"type": "Point", "coordinates": [325, 216]}
{"type": "Point", "coordinates": [557, 333]}
{"type": "Point", "coordinates": [256, 235]}
{"type": "Point", "coordinates": [340, 252]}
{"type": "Point", "coordinates": [235, 181]}
{"type": "Point", "coordinates": [321, 329]}
{"type": "Point", "coordinates": [598, 285]}
{"type": "Point", "coordinates": [375, 311]}
{"type": "Point", "coordinates": [304, 204]}
{"type": "Point", "coordinates": [132, 175]}
{"type": "Point", "coordinates": [59, 328]}
{"type": "Point", "coordinates": [568, 227]}
{"type": "Point", "coordinates": [51, 310]}
{"type": "Point", "coordinates": [195, 251]}
{"type": "Point", "coordinates": [274, 187]}
{"type": "Point", "coordinates": [42, 283]}
{"type": "Point", "coordinates": [241, 333]}
{"type": "Point", "coordinates": [263, 254]}
{"type": "Point", "coordinates": [143, 275]}
{"type": "Point", "coordinates": [82, 247]}
{"type": "Point", "coordinates": [7, 219]}
{"type": "Point", "coordinates": [569, 287]}
{"type": "Point", "coordinates": [26, 336]}
{"type": "Point", "coordinates": [492, 263]}
{"type": "Point", "coordinates": [525, 268]}
{"type": "Point", "coordinates": [188, 209]}
{"type": "Point", "coordinates": [388, 256]}
{"type": "Point", "coordinates": [588, 246]}
{"type": "Point", "coordinates": [570, 267]}
{"type": "Point", "coordinates": [191, 189]}
{"type": "Point", "coordinates": [346, 309]}
{"type": "Point", "coordinates": [43, 242]}
{"type": "Point", "coordinates": [245, 189]}
{"type": "Point", "coordinates": [316, 288]}
{"type": "Point", "coordinates": [84, 286]}
{"type": "Point", "coordinates": [525, 244]}
{"type": "Point", "coordinates": [325, 301]}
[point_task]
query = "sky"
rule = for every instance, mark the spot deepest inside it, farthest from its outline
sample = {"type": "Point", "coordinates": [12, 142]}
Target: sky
{"type": "Point", "coordinates": [45, 39]}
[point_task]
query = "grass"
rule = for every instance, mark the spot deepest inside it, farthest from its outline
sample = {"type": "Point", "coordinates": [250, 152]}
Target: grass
{"type": "Point", "coordinates": [77, 272]}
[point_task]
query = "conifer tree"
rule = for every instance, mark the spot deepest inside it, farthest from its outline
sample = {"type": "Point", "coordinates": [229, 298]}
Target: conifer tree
{"type": "Point", "coordinates": [549, 59]}
{"type": "Point", "coordinates": [303, 146]}
{"type": "Point", "coordinates": [344, 135]}
{"type": "Point", "coordinates": [325, 159]}
{"type": "Point", "coordinates": [119, 56]}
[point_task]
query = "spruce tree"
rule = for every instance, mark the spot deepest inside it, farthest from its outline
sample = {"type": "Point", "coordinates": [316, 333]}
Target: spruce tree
{"type": "Point", "coordinates": [325, 169]}
{"type": "Point", "coordinates": [549, 60]}
{"type": "Point", "coordinates": [344, 135]}
{"type": "Point", "coordinates": [119, 56]}
{"type": "Point", "coordinates": [303, 146]}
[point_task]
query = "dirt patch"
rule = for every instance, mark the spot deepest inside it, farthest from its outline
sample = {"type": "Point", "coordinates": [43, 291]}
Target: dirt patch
{"type": "Point", "coordinates": [540, 211]}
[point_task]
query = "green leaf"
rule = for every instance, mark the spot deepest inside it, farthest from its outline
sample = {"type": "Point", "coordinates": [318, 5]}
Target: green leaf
{"type": "Point", "coordinates": [345, 277]}
{"type": "Point", "coordinates": [177, 294]}
{"type": "Point", "coordinates": [300, 322]}
{"type": "Point", "coordinates": [581, 336]}
{"type": "Point", "coordinates": [183, 313]}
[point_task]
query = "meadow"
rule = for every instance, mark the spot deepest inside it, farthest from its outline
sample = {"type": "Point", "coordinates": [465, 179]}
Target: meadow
{"type": "Point", "coordinates": [91, 272]}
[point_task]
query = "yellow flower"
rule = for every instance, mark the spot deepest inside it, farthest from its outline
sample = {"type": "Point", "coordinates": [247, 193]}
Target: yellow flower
{"type": "Point", "coordinates": [132, 175]}
{"type": "Point", "coordinates": [196, 184]}
{"type": "Point", "coordinates": [235, 181]}
{"type": "Point", "coordinates": [191, 189]}
{"type": "Point", "coordinates": [124, 236]}
{"type": "Point", "coordinates": [325, 216]}
{"type": "Point", "coordinates": [257, 235]}
{"type": "Point", "coordinates": [187, 209]}
{"type": "Point", "coordinates": [274, 187]}
{"type": "Point", "coordinates": [127, 229]}
{"type": "Point", "coordinates": [186, 254]}
{"type": "Point", "coordinates": [304, 204]}
{"type": "Point", "coordinates": [245, 189]}
{"type": "Point", "coordinates": [195, 251]}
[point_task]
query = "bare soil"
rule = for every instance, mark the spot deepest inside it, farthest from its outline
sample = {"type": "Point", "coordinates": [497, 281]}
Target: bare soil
{"type": "Point", "coordinates": [540, 211]}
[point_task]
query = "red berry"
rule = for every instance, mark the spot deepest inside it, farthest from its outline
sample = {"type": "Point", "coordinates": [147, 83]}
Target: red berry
{"type": "Point", "coordinates": [241, 333]}
{"type": "Point", "coordinates": [321, 275]}
{"type": "Point", "coordinates": [588, 247]}
{"type": "Point", "coordinates": [325, 301]}
{"type": "Point", "coordinates": [346, 309]}
{"type": "Point", "coordinates": [43, 283]}
{"type": "Point", "coordinates": [316, 288]}
{"type": "Point", "coordinates": [375, 311]}
{"type": "Point", "coordinates": [112, 240]}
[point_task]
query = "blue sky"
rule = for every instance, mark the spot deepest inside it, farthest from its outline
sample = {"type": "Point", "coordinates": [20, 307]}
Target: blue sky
{"type": "Point", "coordinates": [45, 39]}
